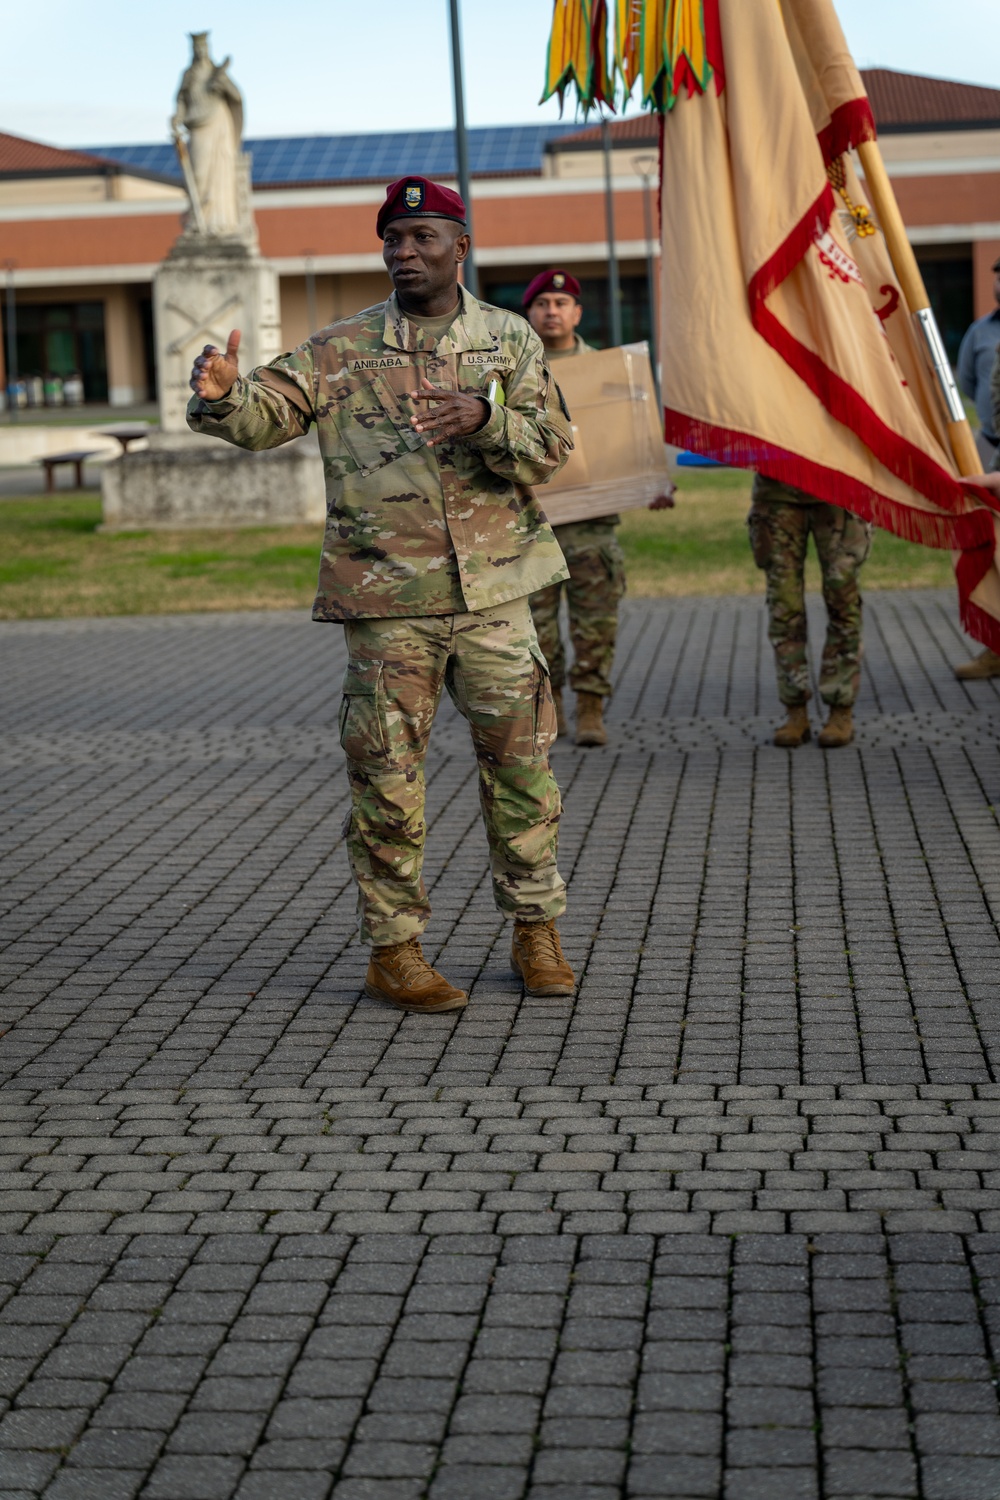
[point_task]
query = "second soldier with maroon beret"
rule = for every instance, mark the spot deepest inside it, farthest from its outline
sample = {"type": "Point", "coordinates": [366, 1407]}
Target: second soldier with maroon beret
{"type": "Point", "coordinates": [596, 581]}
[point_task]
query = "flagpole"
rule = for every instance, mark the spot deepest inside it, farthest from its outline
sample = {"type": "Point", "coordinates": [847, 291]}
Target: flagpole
{"type": "Point", "coordinates": [469, 276]}
{"type": "Point", "coordinates": [904, 262]}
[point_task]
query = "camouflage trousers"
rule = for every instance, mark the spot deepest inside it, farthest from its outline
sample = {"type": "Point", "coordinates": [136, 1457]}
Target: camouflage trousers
{"type": "Point", "coordinates": [491, 665]}
{"type": "Point", "coordinates": [594, 590]}
{"type": "Point", "coordinates": [779, 536]}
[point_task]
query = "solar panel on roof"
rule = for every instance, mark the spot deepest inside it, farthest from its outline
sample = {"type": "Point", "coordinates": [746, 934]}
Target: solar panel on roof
{"type": "Point", "coordinates": [383, 154]}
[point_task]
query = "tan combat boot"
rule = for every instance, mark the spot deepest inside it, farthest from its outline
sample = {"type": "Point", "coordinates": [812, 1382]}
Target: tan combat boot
{"type": "Point", "coordinates": [590, 728]}
{"type": "Point", "coordinates": [402, 975]}
{"type": "Point", "coordinates": [795, 730]}
{"type": "Point", "coordinates": [562, 728]}
{"type": "Point", "coordinates": [536, 954]}
{"type": "Point", "coordinates": [986, 664]}
{"type": "Point", "coordinates": [838, 729]}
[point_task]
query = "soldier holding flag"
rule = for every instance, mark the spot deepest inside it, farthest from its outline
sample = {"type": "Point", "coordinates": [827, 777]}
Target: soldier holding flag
{"type": "Point", "coordinates": [780, 522]}
{"type": "Point", "coordinates": [811, 354]}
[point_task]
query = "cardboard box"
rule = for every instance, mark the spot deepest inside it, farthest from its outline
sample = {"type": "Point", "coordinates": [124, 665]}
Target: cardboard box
{"type": "Point", "coordinates": [619, 461]}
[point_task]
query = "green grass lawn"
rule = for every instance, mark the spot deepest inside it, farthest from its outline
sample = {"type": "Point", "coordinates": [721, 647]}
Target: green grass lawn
{"type": "Point", "coordinates": [701, 546]}
{"type": "Point", "coordinates": [55, 563]}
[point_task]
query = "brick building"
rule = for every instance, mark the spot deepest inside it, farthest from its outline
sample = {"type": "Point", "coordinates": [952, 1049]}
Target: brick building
{"type": "Point", "coordinates": [82, 231]}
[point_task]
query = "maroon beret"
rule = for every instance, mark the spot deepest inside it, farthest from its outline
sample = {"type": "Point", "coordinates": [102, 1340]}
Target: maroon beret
{"type": "Point", "coordinates": [419, 198]}
{"type": "Point", "coordinates": [550, 281]}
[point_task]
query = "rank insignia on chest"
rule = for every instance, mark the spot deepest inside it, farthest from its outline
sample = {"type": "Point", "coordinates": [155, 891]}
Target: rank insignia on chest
{"type": "Point", "coordinates": [413, 196]}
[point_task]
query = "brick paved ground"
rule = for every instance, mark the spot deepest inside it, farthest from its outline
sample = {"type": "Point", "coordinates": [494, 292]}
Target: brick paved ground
{"type": "Point", "coordinates": [726, 1226]}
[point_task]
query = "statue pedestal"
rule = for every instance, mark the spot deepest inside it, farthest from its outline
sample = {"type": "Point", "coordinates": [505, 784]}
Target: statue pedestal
{"type": "Point", "coordinates": [206, 287]}
{"type": "Point", "coordinates": [188, 481]}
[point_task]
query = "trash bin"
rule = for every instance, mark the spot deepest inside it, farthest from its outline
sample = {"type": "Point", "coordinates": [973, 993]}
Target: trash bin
{"type": "Point", "coordinates": [73, 389]}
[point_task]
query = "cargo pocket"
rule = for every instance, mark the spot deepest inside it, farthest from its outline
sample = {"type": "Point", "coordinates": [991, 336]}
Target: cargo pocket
{"type": "Point", "coordinates": [857, 538]}
{"type": "Point", "coordinates": [543, 709]}
{"type": "Point", "coordinates": [614, 566]}
{"type": "Point", "coordinates": [362, 717]}
{"type": "Point", "coordinates": [374, 428]}
{"type": "Point", "coordinates": [761, 538]}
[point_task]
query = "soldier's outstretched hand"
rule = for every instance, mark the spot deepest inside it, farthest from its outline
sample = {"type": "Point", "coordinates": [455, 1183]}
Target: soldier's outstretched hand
{"type": "Point", "coordinates": [214, 373]}
{"type": "Point", "coordinates": [666, 500]}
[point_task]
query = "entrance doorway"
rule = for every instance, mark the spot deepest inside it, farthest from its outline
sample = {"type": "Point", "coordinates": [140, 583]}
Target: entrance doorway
{"type": "Point", "coordinates": [63, 339]}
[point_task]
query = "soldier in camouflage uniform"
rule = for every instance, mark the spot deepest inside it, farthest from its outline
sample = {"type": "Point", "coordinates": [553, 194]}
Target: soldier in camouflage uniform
{"type": "Point", "coordinates": [435, 412]}
{"type": "Point", "coordinates": [596, 583]}
{"type": "Point", "coordinates": [987, 662]}
{"type": "Point", "coordinates": [781, 518]}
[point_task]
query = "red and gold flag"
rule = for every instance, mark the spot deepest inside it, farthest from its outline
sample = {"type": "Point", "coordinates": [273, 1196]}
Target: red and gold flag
{"type": "Point", "coordinates": [787, 345]}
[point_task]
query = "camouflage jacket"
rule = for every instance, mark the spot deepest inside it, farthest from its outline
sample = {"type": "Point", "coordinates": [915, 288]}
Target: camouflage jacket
{"type": "Point", "coordinates": [579, 347]}
{"type": "Point", "coordinates": [780, 493]}
{"type": "Point", "coordinates": [413, 530]}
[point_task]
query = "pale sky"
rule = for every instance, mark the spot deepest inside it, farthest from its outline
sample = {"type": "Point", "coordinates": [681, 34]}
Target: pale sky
{"type": "Point", "coordinates": [105, 72]}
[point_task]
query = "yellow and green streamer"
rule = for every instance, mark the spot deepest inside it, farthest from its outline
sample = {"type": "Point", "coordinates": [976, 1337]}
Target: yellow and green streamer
{"type": "Point", "coordinates": [663, 46]}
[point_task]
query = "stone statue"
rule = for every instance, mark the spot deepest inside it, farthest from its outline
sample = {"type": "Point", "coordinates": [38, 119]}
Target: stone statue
{"type": "Point", "coordinates": [209, 107]}
{"type": "Point", "coordinates": [213, 277]}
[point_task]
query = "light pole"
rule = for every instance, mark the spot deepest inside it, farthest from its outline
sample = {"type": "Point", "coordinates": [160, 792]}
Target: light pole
{"type": "Point", "coordinates": [12, 370]}
{"type": "Point", "coordinates": [647, 167]}
{"type": "Point", "coordinates": [461, 143]}
{"type": "Point", "coordinates": [614, 287]}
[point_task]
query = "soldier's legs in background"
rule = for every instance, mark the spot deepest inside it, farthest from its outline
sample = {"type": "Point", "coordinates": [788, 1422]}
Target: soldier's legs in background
{"type": "Point", "coordinates": [497, 677]}
{"type": "Point", "coordinates": [843, 543]}
{"type": "Point", "coordinates": [594, 591]}
{"type": "Point", "coordinates": [392, 687]}
{"type": "Point", "coordinates": [779, 535]}
{"type": "Point", "coordinates": [545, 613]}
{"type": "Point", "coordinates": [988, 452]}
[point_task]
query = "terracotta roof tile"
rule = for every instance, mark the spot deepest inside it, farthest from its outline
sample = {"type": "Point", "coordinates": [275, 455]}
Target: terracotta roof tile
{"type": "Point", "coordinates": [910, 101]}
{"type": "Point", "coordinates": [900, 101]}
{"type": "Point", "coordinates": [638, 130]}
{"type": "Point", "coordinates": [20, 155]}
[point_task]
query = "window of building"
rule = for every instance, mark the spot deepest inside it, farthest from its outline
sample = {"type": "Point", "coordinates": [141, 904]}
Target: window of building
{"type": "Point", "coordinates": [63, 338]}
{"type": "Point", "coordinates": [947, 273]}
{"type": "Point", "coordinates": [148, 346]}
